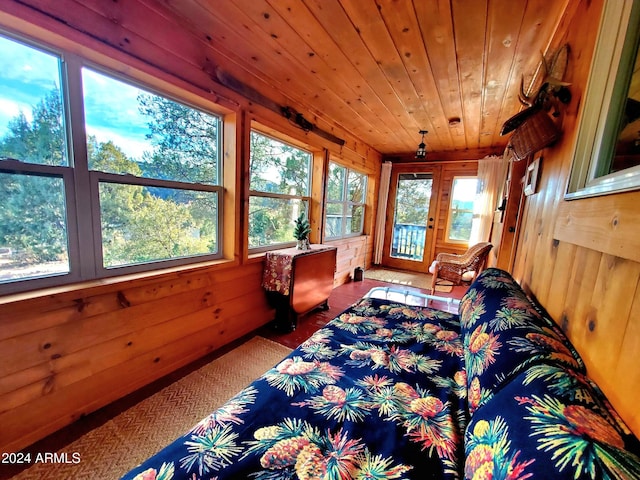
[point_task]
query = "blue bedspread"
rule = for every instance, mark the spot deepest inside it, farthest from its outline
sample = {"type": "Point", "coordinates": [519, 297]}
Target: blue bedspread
{"type": "Point", "coordinates": [379, 393]}
{"type": "Point", "coordinates": [388, 391]}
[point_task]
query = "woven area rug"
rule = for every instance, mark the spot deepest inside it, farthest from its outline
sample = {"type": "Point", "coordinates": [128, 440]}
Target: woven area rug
{"type": "Point", "coordinates": [418, 280]}
{"type": "Point", "coordinates": [114, 448]}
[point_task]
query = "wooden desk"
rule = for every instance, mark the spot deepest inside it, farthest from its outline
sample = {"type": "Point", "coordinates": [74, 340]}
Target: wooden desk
{"type": "Point", "coordinates": [298, 281]}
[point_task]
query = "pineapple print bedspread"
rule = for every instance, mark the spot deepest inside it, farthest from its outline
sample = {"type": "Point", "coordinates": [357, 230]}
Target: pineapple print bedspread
{"type": "Point", "coordinates": [379, 393]}
{"type": "Point", "coordinates": [388, 391]}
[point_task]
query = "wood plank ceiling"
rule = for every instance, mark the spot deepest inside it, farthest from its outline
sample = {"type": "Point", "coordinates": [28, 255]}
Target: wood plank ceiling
{"type": "Point", "coordinates": [384, 69]}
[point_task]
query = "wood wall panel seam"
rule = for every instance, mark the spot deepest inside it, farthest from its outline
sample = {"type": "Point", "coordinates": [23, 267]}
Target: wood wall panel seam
{"type": "Point", "coordinates": [607, 223]}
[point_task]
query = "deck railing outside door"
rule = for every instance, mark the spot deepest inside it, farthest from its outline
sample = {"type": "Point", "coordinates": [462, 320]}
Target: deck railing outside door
{"type": "Point", "coordinates": [408, 241]}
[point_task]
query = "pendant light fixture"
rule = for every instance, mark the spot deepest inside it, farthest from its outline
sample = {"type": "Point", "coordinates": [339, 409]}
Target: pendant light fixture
{"type": "Point", "coordinates": [421, 152]}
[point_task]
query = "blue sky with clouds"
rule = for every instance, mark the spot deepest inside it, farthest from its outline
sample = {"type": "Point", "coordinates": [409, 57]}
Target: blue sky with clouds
{"type": "Point", "coordinates": [111, 113]}
{"type": "Point", "coordinates": [27, 75]}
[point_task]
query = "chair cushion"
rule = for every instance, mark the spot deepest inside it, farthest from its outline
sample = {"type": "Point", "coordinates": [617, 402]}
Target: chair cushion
{"type": "Point", "coordinates": [468, 276]}
{"type": "Point", "coordinates": [433, 266]}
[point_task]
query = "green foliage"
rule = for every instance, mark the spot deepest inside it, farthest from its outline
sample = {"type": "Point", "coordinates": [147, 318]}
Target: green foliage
{"type": "Point", "coordinates": [302, 228]}
{"type": "Point", "coordinates": [151, 229]}
{"type": "Point", "coordinates": [139, 224]}
{"type": "Point", "coordinates": [412, 201]}
{"type": "Point", "coordinates": [345, 191]}
{"type": "Point", "coordinates": [461, 224]}
{"type": "Point", "coordinates": [185, 141]}
{"type": "Point", "coordinates": [41, 141]}
{"type": "Point", "coordinates": [32, 218]}
{"type": "Point", "coordinates": [272, 220]}
{"type": "Point", "coordinates": [275, 167]}
{"type": "Point", "coordinates": [142, 224]}
{"type": "Point", "coordinates": [108, 157]}
{"type": "Point", "coordinates": [335, 182]}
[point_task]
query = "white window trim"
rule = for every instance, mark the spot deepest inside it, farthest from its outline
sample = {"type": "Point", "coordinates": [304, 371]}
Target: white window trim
{"type": "Point", "coordinates": [305, 199]}
{"type": "Point", "coordinates": [81, 184]}
{"type": "Point", "coordinates": [447, 236]}
{"type": "Point", "coordinates": [600, 114]}
{"type": "Point", "coordinates": [347, 204]}
{"type": "Point", "coordinates": [102, 177]}
{"type": "Point", "coordinates": [66, 173]}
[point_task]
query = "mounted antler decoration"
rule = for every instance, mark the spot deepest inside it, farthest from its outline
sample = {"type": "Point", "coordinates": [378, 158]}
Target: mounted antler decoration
{"type": "Point", "coordinates": [533, 127]}
{"type": "Point", "coordinates": [553, 89]}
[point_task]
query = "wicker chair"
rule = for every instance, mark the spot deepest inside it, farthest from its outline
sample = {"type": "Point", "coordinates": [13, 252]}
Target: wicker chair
{"type": "Point", "coordinates": [460, 268]}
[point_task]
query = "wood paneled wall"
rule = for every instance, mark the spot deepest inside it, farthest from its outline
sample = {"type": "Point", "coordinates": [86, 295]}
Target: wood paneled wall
{"type": "Point", "coordinates": [588, 288]}
{"type": "Point", "coordinates": [66, 354]}
{"type": "Point", "coordinates": [352, 252]}
{"type": "Point", "coordinates": [70, 350]}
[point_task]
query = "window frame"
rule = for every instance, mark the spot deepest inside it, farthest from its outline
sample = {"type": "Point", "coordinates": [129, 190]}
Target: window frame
{"type": "Point", "coordinates": [345, 202]}
{"type": "Point", "coordinates": [305, 199]}
{"type": "Point", "coordinates": [450, 210]}
{"type": "Point", "coordinates": [81, 185]}
{"type": "Point", "coordinates": [98, 177]}
{"type": "Point", "coordinates": [66, 173]}
{"type": "Point", "coordinates": [153, 90]}
{"type": "Point", "coordinates": [604, 103]}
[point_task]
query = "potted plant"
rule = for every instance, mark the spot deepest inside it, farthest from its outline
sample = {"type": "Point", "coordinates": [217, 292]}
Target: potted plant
{"type": "Point", "coordinates": [301, 232]}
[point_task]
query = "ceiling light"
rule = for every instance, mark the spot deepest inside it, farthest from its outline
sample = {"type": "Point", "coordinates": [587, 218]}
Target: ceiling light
{"type": "Point", "coordinates": [422, 148]}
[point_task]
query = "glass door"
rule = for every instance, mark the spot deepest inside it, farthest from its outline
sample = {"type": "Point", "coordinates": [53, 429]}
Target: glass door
{"type": "Point", "coordinates": [410, 221]}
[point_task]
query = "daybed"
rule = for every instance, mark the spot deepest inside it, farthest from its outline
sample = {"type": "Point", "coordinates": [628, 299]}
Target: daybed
{"type": "Point", "coordinates": [388, 391]}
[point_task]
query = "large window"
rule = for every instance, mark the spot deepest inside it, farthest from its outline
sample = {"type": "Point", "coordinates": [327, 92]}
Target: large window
{"type": "Point", "coordinates": [167, 206]}
{"type": "Point", "coordinates": [141, 191]}
{"type": "Point", "coordinates": [346, 193]}
{"type": "Point", "coordinates": [464, 191]}
{"type": "Point", "coordinates": [607, 155]}
{"type": "Point", "coordinates": [280, 186]}
{"type": "Point", "coordinates": [34, 233]}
